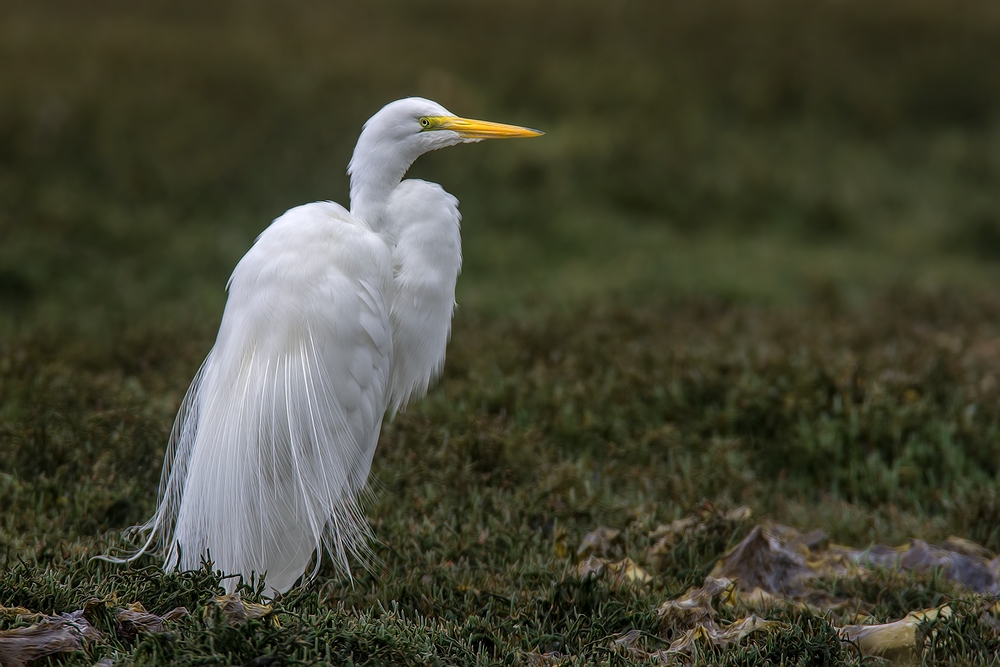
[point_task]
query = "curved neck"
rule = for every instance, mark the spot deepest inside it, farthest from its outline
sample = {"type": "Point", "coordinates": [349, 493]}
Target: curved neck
{"type": "Point", "coordinates": [376, 168]}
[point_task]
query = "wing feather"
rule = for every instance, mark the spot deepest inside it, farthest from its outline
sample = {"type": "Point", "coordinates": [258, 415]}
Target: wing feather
{"type": "Point", "coordinates": [275, 436]}
{"type": "Point", "coordinates": [427, 258]}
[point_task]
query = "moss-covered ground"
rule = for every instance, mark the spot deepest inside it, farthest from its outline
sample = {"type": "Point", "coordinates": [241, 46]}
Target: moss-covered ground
{"type": "Point", "coordinates": [753, 262]}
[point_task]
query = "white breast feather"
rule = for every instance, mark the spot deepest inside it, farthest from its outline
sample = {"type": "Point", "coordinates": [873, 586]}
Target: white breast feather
{"type": "Point", "coordinates": [427, 258]}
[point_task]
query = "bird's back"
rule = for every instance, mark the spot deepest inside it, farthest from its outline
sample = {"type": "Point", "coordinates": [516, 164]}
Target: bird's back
{"type": "Point", "coordinates": [289, 403]}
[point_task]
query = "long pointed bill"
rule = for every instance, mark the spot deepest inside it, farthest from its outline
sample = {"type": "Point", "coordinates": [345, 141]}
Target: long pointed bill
{"type": "Point", "coordinates": [481, 129]}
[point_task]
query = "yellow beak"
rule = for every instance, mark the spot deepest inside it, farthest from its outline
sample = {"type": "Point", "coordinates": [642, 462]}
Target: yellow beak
{"type": "Point", "coordinates": [480, 129]}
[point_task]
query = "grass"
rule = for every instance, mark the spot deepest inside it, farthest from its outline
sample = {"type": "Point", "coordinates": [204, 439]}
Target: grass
{"type": "Point", "coordinates": [751, 263]}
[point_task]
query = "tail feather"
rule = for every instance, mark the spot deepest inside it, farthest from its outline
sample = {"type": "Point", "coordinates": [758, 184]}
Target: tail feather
{"type": "Point", "coordinates": [263, 470]}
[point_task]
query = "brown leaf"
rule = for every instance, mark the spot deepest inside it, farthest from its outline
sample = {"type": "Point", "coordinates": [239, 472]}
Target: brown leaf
{"type": "Point", "coordinates": [778, 560]}
{"type": "Point", "coordinates": [696, 605]}
{"type": "Point", "coordinates": [693, 618]}
{"type": "Point", "coordinates": [53, 634]}
{"type": "Point", "coordinates": [674, 529]}
{"type": "Point", "coordinates": [783, 562]}
{"type": "Point", "coordinates": [535, 659]}
{"type": "Point", "coordinates": [717, 636]}
{"type": "Point", "coordinates": [629, 571]}
{"type": "Point", "coordinates": [598, 541]}
{"type": "Point", "coordinates": [591, 567]}
{"type": "Point", "coordinates": [668, 535]}
{"type": "Point", "coordinates": [236, 610]}
{"type": "Point", "coordinates": [960, 560]}
{"type": "Point", "coordinates": [622, 571]}
{"type": "Point", "coordinates": [135, 619]}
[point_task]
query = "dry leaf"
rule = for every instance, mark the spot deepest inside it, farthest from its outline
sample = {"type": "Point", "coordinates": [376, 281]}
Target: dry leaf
{"type": "Point", "coordinates": [695, 606]}
{"type": "Point", "coordinates": [627, 569]}
{"type": "Point", "coordinates": [718, 636]}
{"type": "Point", "coordinates": [668, 535]}
{"type": "Point", "coordinates": [901, 634]}
{"type": "Point", "coordinates": [775, 563]}
{"type": "Point", "coordinates": [672, 530]}
{"type": "Point", "coordinates": [778, 565]}
{"type": "Point", "coordinates": [236, 610]}
{"type": "Point", "coordinates": [960, 560]}
{"type": "Point", "coordinates": [559, 536]}
{"type": "Point", "coordinates": [783, 562]}
{"type": "Point", "coordinates": [741, 513]}
{"type": "Point", "coordinates": [622, 571]}
{"type": "Point", "coordinates": [53, 634]}
{"type": "Point", "coordinates": [693, 616]}
{"type": "Point", "coordinates": [591, 567]}
{"type": "Point", "coordinates": [535, 659]}
{"type": "Point", "coordinates": [598, 541]}
{"type": "Point", "coordinates": [135, 619]}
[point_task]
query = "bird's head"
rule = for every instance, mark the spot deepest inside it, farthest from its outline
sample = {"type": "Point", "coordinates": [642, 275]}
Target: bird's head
{"type": "Point", "coordinates": [408, 128]}
{"type": "Point", "coordinates": [401, 132]}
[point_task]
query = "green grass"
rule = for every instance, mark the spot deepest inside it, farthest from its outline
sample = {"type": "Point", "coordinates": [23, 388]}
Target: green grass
{"type": "Point", "coordinates": [752, 262]}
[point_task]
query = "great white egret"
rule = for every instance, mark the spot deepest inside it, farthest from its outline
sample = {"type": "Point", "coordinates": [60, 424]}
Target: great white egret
{"type": "Point", "coordinates": [333, 318]}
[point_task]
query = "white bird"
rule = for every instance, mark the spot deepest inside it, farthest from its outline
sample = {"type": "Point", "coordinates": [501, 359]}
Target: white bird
{"type": "Point", "coordinates": [333, 318]}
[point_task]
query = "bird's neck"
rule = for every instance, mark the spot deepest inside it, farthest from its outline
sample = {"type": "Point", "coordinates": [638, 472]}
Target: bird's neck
{"type": "Point", "coordinates": [375, 169]}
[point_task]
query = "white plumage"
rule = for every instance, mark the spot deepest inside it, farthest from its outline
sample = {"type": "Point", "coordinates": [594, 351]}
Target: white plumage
{"type": "Point", "coordinates": [333, 317]}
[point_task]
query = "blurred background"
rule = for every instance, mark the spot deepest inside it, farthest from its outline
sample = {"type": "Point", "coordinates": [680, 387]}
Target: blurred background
{"type": "Point", "coordinates": [772, 151]}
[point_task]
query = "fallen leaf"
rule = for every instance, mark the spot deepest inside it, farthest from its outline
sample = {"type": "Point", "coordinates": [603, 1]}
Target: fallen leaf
{"type": "Point", "coordinates": [717, 636]}
{"type": "Point", "coordinates": [53, 634]}
{"type": "Point", "coordinates": [901, 634]}
{"type": "Point", "coordinates": [693, 617]}
{"type": "Point", "coordinates": [741, 513]}
{"type": "Point", "coordinates": [236, 610]}
{"type": "Point", "coordinates": [960, 560]}
{"type": "Point", "coordinates": [625, 570]}
{"type": "Point", "coordinates": [598, 541]}
{"type": "Point", "coordinates": [669, 535]}
{"type": "Point", "coordinates": [784, 563]}
{"type": "Point", "coordinates": [559, 536]}
{"type": "Point", "coordinates": [671, 530]}
{"type": "Point", "coordinates": [629, 571]}
{"type": "Point", "coordinates": [535, 659]}
{"type": "Point", "coordinates": [591, 567]}
{"type": "Point", "coordinates": [777, 560]}
{"type": "Point", "coordinates": [134, 619]}
{"type": "Point", "coordinates": [696, 605]}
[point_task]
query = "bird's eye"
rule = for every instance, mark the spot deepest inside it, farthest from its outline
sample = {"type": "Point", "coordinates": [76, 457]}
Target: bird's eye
{"type": "Point", "coordinates": [425, 122]}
